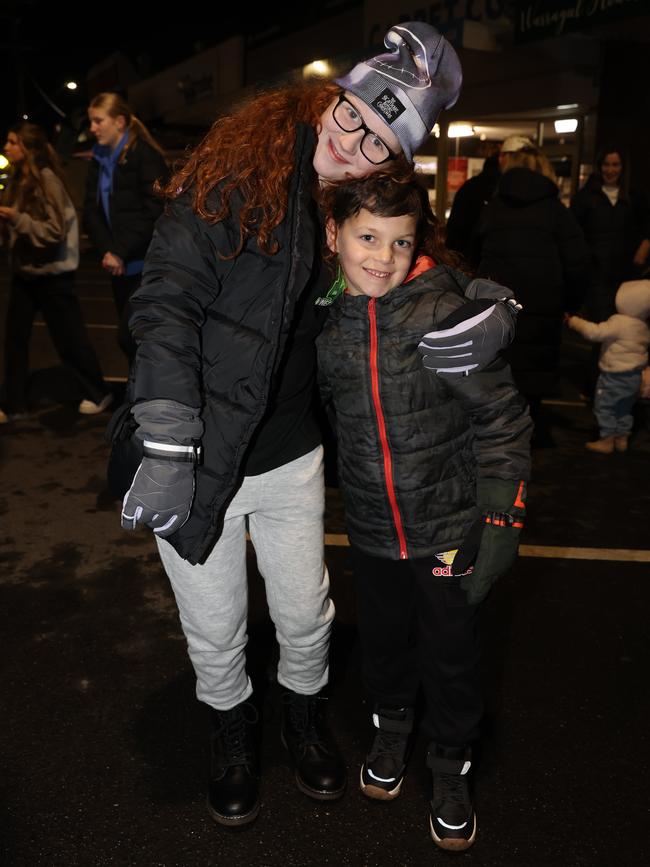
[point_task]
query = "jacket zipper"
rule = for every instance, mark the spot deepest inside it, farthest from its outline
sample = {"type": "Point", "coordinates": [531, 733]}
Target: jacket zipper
{"type": "Point", "coordinates": [383, 438]}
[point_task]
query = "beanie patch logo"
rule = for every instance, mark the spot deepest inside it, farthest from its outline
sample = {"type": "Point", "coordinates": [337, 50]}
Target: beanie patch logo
{"type": "Point", "coordinates": [389, 106]}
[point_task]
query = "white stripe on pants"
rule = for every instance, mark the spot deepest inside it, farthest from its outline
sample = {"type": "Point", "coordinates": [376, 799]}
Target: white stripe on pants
{"type": "Point", "coordinates": [285, 510]}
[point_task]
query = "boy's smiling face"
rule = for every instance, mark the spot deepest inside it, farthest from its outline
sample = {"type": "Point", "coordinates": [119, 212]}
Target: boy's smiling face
{"type": "Point", "coordinates": [375, 252]}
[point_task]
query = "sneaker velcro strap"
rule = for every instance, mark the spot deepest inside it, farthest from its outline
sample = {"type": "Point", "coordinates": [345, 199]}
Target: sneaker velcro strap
{"type": "Point", "coordinates": [442, 765]}
{"type": "Point", "coordinates": [399, 723]}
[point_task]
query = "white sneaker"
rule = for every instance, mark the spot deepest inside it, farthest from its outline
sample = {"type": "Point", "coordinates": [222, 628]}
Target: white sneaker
{"type": "Point", "coordinates": [89, 407]}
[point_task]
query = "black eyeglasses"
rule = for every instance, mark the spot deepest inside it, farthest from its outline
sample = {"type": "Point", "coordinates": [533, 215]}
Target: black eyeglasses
{"type": "Point", "coordinates": [374, 149]}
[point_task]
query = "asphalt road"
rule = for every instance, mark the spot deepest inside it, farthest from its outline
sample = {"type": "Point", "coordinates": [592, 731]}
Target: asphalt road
{"type": "Point", "coordinates": [104, 746]}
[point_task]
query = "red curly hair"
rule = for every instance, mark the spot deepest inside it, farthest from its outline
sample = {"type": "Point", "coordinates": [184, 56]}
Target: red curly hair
{"type": "Point", "coordinates": [251, 150]}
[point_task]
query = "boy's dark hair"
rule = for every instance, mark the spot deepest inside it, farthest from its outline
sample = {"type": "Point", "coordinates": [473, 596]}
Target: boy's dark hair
{"type": "Point", "coordinates": [390, 195]}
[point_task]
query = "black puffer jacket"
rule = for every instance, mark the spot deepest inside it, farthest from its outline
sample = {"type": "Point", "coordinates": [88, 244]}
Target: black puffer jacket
{"type": "Point", "coordinates": [527, 240]}
{"type": "Point", "coordinates": [411, 444]}
{"type": "Point", "coordinates": [134, 207]}
{"type": "Point", "coordinates": [210, 332]}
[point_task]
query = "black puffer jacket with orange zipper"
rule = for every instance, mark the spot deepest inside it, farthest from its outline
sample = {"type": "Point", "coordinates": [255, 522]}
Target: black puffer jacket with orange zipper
{"type": "Point", "coordinates": [411, 444]}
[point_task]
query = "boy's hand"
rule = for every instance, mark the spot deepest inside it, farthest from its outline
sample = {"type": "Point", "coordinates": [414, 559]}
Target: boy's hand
{"type": "Point", "coordinates": [490, 547]}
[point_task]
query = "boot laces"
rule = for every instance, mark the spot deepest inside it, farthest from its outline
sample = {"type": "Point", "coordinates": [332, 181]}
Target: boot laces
{"type": "Point", "coordinates": [391, 745]}
{"type": "Point", "coordinates": [452, 791]}
{"type": "Point", "coordinates": [232, 735]}
{"type": "Point", "coordinates": [304, 718]}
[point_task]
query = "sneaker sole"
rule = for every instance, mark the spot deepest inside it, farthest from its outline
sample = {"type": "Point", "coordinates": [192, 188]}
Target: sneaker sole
{"type": "Point", "coordinates": [233, 821]}
{"type": "Point", "coordinates": [453, 844]}
{"type": "Point", "coordinates": [376, 792]}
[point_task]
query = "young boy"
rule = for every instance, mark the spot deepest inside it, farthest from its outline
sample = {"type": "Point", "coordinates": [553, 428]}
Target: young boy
{"type": "Point", "coordinates": [433, 471]}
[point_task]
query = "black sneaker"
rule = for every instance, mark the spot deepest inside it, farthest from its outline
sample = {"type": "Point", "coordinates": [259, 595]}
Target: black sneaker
{"type": "Point", "coordinates": [383, 771]}
{"type": "Point", "coordinates": [452, 818]}
{"type": "Point", "coordinates": [233, 797]}
{"type": "Point", "coordinates": [318, 767]}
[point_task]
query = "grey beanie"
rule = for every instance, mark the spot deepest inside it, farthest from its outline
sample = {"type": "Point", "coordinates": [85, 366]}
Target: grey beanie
{"type": "Point", "coordinates": [408, 86]}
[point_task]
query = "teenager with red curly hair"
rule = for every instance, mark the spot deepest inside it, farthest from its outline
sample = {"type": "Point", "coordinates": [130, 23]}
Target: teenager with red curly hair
{"type": "Point", "coordinates": [234, 293]}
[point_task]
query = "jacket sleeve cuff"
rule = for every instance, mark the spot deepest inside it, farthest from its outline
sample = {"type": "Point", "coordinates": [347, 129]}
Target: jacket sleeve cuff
{"type": "Point", "coordinates": [168, 422]}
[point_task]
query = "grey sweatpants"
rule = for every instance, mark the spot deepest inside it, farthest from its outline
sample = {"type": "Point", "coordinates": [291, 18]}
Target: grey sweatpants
{"type": "Point", "coordinates": [285, 512]}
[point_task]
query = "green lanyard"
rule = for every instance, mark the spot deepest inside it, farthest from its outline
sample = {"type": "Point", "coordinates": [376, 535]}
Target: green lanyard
{"type": "Point", "coordinates": [337, 288]}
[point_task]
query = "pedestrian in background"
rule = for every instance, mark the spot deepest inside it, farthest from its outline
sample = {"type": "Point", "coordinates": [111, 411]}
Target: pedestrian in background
{"type": "Point", "coordinates": [468, 205]}
{"type": "Point", "coordinates": [425, 464]}
{"type": "Point", "coordinates": [527, 240]}
{"type": "Point", "coordinates": [615, 220]}
{"type": "Point", "coordinates": [39, 225]}
{"type": "Point", "coordinates": [233, 296]}
{"type": "Point", "coordinates": [120, 205]}
{"type": "Point", "coordinates": [624, 339]}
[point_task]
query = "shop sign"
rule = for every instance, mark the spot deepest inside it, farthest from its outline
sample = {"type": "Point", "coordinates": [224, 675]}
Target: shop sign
{"type": "Point", "coordinates": [456, 173]}
{"type": "Point", "coordinates": [537, 19]}
{"type": "Point", "coordinates": [448, 16]}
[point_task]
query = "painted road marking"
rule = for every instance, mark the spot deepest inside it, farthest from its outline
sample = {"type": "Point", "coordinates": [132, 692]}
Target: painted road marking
{"type": "Point", "coordinates": [629, 555]}
{"type": "Point", "coordinates": [88, 325]}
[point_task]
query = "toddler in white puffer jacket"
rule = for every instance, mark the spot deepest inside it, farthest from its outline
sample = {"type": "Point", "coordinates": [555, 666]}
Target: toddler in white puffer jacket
{"type": "Point", "coordinates": [623, 356]}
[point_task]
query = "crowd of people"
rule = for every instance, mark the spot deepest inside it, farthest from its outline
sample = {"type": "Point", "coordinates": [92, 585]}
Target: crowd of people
{"type": "Point", "coordinates": [293, 261]}
{"type": "Point", "coordinates": [510, 225]}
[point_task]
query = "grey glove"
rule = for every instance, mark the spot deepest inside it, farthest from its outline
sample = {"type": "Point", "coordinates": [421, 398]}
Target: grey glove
{"type": "Point", "coordinates": [162, 490]}
{"type": "Point", "coordinates": [470, 338]}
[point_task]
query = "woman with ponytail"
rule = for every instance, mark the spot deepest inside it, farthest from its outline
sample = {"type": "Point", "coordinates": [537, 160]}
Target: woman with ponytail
{"type": "Point", "coordinates": [120, 206]}
{"type": "Point", "coordinates": [38, 222]}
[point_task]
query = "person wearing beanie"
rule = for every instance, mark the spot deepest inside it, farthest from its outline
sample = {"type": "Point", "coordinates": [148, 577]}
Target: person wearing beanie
{"type": "Point", "coordinates": [528, 240]}
{"type": "Point", "coordinates": [624, 339]}
{"type": "Point", "coordinates": [476, 193]}
{"type": "Point", "coordinates": [409, 85]}
{"type": "Point", "coordinates": [222, 392]}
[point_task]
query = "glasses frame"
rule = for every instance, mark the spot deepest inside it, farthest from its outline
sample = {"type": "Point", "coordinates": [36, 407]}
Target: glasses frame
{"type": "Point", "coordinates": [366, 130]}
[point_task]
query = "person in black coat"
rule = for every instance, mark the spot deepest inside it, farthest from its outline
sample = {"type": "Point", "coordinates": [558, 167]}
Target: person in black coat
{"type": "Point", "coordinates": [616, 224]}
{"type": "Point", "coordinates": [223, 388]}
{"type": "Point", "coordinates": [527, 240]}
{"type": "Point", "coordinates": [468, 204]}
{"type": "Point", "coordinates": [121, 207]}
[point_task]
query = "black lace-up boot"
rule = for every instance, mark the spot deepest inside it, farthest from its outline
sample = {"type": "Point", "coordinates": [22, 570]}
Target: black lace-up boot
{"type": "Point", "coordinates": [319, 769]}
{"type": "Point", "coordinates": [385, 765]}
{"type": "Point", "coordinates": [233, 788]}
{"type": "Point", "coordinates": [452, 818]}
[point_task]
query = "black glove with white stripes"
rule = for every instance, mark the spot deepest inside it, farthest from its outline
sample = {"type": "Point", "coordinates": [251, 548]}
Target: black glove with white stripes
{"type": "Point", "coordinates": [471, 337]}
{"type": "Point", "coordinates": [162, 491]}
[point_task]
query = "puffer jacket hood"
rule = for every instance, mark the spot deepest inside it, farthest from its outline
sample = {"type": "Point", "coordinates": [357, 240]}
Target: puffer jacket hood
{"type": "Point", "coordinates": [633, 299]}
{"type": "Point", "coordinates": [521, 187]}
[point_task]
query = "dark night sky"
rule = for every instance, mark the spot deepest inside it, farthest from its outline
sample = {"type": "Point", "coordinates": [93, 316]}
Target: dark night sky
{"type": "Point", "coordinates": [40, 39]}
